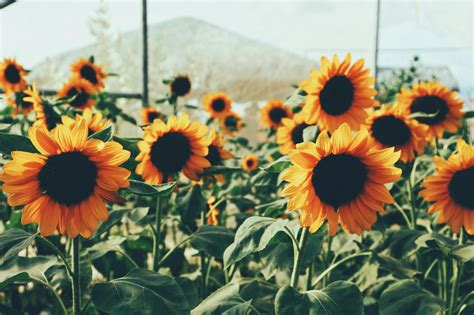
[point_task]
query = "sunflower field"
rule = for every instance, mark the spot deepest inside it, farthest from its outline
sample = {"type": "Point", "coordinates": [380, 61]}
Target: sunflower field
{"type": "Point", "coordinates": [359, 199]}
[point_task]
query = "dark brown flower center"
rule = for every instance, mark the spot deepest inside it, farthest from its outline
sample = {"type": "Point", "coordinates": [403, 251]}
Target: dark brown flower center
{"type": "Point", "coordinates": [297, 133]}
{"type": "Point", "coordinates": [218, 105]}
{"type": "Point", "coordinates": [390, 131]}
{"type": "Point", "coordinates": [431, 105]}
{"type": "Point", "coordinates": [12, 74]}
{"type": "Point", "coordinates": [214, 157]}
{"type": "Point", "coordinates": [277, 114]}
{"type": "Point", "coordinates": [170, 153]}
{"type": "Point", "coordinates": [80, 99]}
{"type": "Point", "coordinates": [250, 163]}
{"type": "Point", "coordinates": [151, 116]}
{"type": "Point", "coordinates": [339, 179]}
{"type": "Point", "coordinates": [460, 188]}
{"type": "Point", "coordinates": [337, 95]}
{"type": "Point", "coordinates": [180, 86]}
{"type": "Point", "coordinates": [68, 178]}
{"type": "Point", "coordinates": [231, 123]}
{"type": "Point", "coordinates": [88, 73]}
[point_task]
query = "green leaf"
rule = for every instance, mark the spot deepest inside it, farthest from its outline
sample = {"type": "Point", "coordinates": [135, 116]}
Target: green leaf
{"type": "Point", "coordinates": [273, 209]}
{"type": "Point", "coordinates": [396, 267]}
{"type": "Point", "coordinates": [406, 297]}
{"type": "Point", "coordinates": [140, 215]}
{"type": "Point", "coordinates": [278, 165]}
{"type": "Point", "coordinates": [140, 290]}
{"type": "Point", "coordinates": [212, 239]}
{"type": "Point", "coordinates": [220, 300]}
{"type": "Point", "coordinates": [14, 241]}
{"type": "Point", "coordinates": [221, 169]}
{"type": "Point", "coordinates": [129, 144]}
{"type": "Point", "coordinates": [103, 135]}
{"type": "Point", "coordinates": [100, 249]}
{"type": "Point", "coordinates": [9, 143]}
{"type": "Point", "coordinates": [190, 205]}
{"type": "Point", "coordinates": [464, 252]}
{"type": "Point", "coordinates": [310, 133]}
{"type": "Point", "coordinates": [142, 188]}
{"type": "Point", "coordinates": [189, 290]}
{"type": "Point", "coordinates": [338, 298]}
{"type": "Point", "coordinates": [251, 237]}
{"type": "Point", "coordinates": [239, 309]}
{"type": "Point", "coordinates": [115, 216]}
{"type": "Point", "coordinates": [25, 268]}
{"type": "Point", "coordinates": [469, 114]}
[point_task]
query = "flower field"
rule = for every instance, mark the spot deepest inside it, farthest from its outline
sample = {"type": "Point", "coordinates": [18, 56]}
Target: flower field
{"type": "Point", "coordinates": [358, 199]}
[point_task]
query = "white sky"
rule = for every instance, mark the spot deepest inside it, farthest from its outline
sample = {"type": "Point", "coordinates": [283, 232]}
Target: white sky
{"type": "Point", "coordinates": [440, 31]}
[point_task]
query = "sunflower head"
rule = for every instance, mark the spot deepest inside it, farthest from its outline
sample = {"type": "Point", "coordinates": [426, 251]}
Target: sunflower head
{"type": "Point", "coordinates": [95, 121]}
{"type": "Point", "coordinates": [149, 114]}
{"type": "Point", "coordinates": [64, 186]}
{"type": "Point", "coordinates": [12, 76]}
{"type": "Point", "coordinates": [450, 189]}
{"type": "Point", "coordinates": [273, 112]}
{"type": "Point", "coordinates": [89, 71]}
{"type": "Point", "coordinates": [180, 85]}
{"type": "Point", "coordinates": [16, 100]}
{"type": "Point", "coordinates": [231, 123]}
{"type": "Point", "coordinates": [81, 92]}
{"type": "Point", "coordinates": [290, 133]}
{"type": "Point", "coordinates": [217, 154]}
{"type": "Point", "coordinates": [45, 114]}
{"type": "Point", "coordinates": [250, 162]}
{"type": "Point", "coordinates": [340, 179]}
{"type": "Point", "coordinates": [338, 93]}
{"type": "Point", "coordinates": [217, 104]}
{"type": "Point", "coordinates": [171, 147]}
{"type": "Point", "coordinates": [390, 126]}
{"type": "Point", "coordinates": [431, 98]}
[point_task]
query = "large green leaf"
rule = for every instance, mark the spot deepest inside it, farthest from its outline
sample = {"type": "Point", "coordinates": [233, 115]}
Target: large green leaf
{"type": "Point", "coordinates": [190, 205]}
{"type": "Point", "coordinates": [464, 252]}
{"type": "Point", "coordinates": [406, 297]}
{"type": "Point", "coordinates": [142, 291]}
{"type": "Point", "coordinates": [396, 267]}
{"type": "Point", "coordinates": [220, 300]}
{"type": "Point", "coordinates": [338, 298]}
{"type": "Point", "coordinates": [14, 241]}
{"type": "Point", "coordinates": [103, 135]}
{"type": "Point", "coordinates": [100, 249]}
{"type": "Point", "coordinates": [142, 188]}
{"type": "Point", "coordinates": [221, 169]}
{"type": "Point", "coordinates": [278, 165]}
{"type": "Point", "coordinates": [252, 236]}
{"type": "Point", "coordinates": [25, 268]}
{"type": "Point", "coordinates": [211, 239]}
{"type": "Point", "coordinates": [189, 290]}
{"type": "Point", "coordinates": [115, 216]}
{"type": "Point", "coordinates": [9, 143]}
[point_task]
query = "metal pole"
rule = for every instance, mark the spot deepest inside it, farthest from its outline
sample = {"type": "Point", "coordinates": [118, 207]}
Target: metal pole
{"type": "Point", "coordinates": [145, 52]}
{"type": "Point", "coordinates": [377, 28]}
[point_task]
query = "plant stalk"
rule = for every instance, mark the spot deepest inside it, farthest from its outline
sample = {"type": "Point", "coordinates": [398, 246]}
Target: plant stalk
{"type": "Point", "coordinates": [298, 257]}
{"type": "Point", "coordinates": [76, 277]}
{"type": "Point", "coordinates": [157, 235]}
{"type": "Point", "coordinates": [328, 270]}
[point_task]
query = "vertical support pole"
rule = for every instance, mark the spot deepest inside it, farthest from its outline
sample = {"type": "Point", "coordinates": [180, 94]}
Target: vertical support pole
{"type": "Point", "coordinates": [145, 99]}
{"type": "Point", "coordinates": [377, 30]}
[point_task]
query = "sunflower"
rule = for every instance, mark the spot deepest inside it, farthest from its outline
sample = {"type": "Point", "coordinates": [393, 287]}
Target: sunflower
{"type": "Point", "coordinates": [217, 154]}
{"type": "Point", "coordinates": [273, 112]}
{"type": "Point", "coordinates": [338, 93]}
{"type": "Point", "coordinates": [149, 114]}
{"type": "Point", "coordinates": [217, 104]}
{"type": "Point", "coordinates": [435, 99]}
{"type": "Point", "coordinates": [390, 127]}
{"type": "Point", "coordinates": [18, 103]}
{"type": "Point", "coordinates": [340, 179]}
{"type": "Point", "coordinates": [450, 189]}
{"type": "Point", "coordinates": [81, 89]}
{"type": "Point", "coordinates": [180, 85]}
{"type": "Point", "coordinates": [12, 76]}
{"type": "Point", "coordinates": [172, 147]}
{"type": "Point", "coordinates": [95, 122]}
{"type": "Point", "coordinates": [250, 162]}
{"type": "Point", "coordinates": [213, 212]}
{"type": "Point", "coordinates": [231, 123]}
{"type": "Point", "coordinates": [89, 71]}
{"type": "Point", "coordinates": [45, 115]}
{"type": "Point", "coordinates": [64, 187]}
{"type": "Point", "coordinates": [290, 133]}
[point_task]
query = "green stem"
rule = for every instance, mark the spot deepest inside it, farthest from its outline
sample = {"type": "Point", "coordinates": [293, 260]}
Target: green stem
{"type": "Point", "coordinates": [457, 274]}
{"type": "Point", "coordinates": [203, 260]}
{"type": "Point", "coordinates": [58, 252]}
{"type": "Point", "coordinates": [328, 270]}
{"type": "Point", "coordinates": [157, 234]}
{"type": "Point", "coordinates": [76, 278]}
{"type": "Point", "coordinates": [436, 146]}
{"type": "Point", "coordinates": [130, 259]}
{"type": "Point", "coordinates": [298, 257]}
{"type": "Point", "coordinates": [293, 238]}
{"type": "Point", "coordinates": [309, 278]}
{"type": "Point", "coordinates": [172, 250]}
{"type": "Point", "coordinates": [404, 215]}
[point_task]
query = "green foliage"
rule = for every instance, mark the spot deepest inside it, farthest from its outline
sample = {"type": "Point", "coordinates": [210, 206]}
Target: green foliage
{"type": "Point", "coordinates": [14, 241]}
{"type": "Point", "coordinates": [213, 240]}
